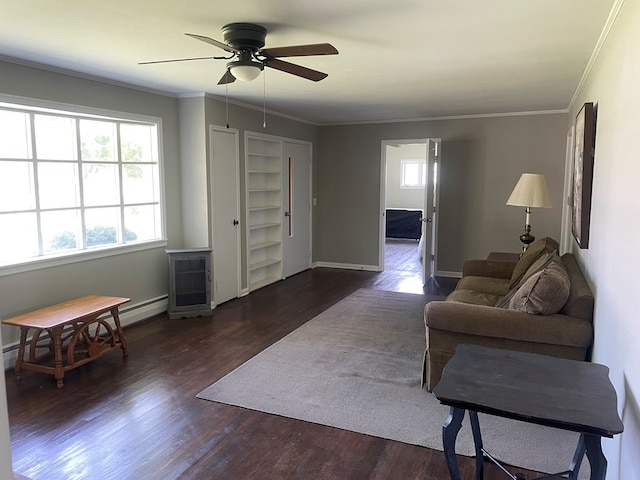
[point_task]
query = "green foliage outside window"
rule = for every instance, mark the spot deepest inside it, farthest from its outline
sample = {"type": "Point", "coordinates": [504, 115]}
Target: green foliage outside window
{"type": "Point", "coordinates": [99, 235]}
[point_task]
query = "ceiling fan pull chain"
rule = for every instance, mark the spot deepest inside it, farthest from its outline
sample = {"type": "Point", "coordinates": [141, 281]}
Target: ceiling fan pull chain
{"type": "Point", "coordinates": [264, 99]}
{"type": "Point", "coordinates": [226, 98]}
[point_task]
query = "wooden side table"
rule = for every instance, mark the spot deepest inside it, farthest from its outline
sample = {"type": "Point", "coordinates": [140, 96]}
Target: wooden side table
{"type": "Point", "coordinates": [90, 338]}
{"type": "Point", "coordinates": [559, 393]}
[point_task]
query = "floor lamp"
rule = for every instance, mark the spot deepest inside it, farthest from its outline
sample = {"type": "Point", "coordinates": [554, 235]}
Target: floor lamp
{"type": "Point", "coordinates": [531, 192]}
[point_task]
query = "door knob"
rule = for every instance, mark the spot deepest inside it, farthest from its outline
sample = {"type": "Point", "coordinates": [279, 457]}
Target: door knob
{"type": "Point", "coordinates": [286, 214]}
{"type": "Point", "coordinates": [235, 222]}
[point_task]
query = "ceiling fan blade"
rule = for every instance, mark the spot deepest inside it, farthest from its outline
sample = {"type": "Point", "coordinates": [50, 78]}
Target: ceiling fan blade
{"type": "Point", "coordinates": [293, 69]}
{"type": "Point", "coordinates": [300, 50]}
{"type": "Point", "coordinates": [180, 60]}
{"type": "Point", "coordinates": [227, 78]}
{"type": "Point", "coordinates": [216, 43]}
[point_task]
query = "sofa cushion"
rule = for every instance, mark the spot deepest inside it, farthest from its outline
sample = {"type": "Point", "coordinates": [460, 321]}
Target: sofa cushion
{"type": "Point", "coordinates": [472, 297]}
{"type": "Point", "coordinates": [494, 286]}
{"type": "Point", "coordinates": [531, 254]}
{"type": "Point", "coordinates": [544, 293]}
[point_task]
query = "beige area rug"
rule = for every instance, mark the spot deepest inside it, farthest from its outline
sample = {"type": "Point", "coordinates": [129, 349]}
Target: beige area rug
{"type": "Point", "coordinates": [357, 367]}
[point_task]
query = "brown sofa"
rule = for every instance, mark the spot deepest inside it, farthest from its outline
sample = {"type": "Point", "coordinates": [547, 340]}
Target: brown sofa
{"type": "Point", "coordinates": [541, 304]}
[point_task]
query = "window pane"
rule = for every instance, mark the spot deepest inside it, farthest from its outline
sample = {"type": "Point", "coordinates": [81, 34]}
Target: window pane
{"type": "Point", "coordinates": [55, 138]}
{"type": "Point", "coordinates": [138, 143]}
{"type": "Point", "coordinates": [70, 181]}
{"type": "Point", "coordinates": [17, 191]}
{"type": "Point", "coordinates": [58, 185]}
{"type": "Point", "coordinates": [139, 183]}
{"type": "Point", "coordinates": [100, 184]}
{"type": "Point", "coordinates": [101, 226]}
{"type": "Point", "coordinates": [61, 230]}
{"type": "Point", "coordinates": [411, 174]}
{"type": "Point", "coordinates": [142, 223]}
{"type": "Point", "coordinates": [14, 135]}
{"type": "Point", "coordinates": [19, 239]}
{"type": "Point", "coordinates": [98, 140]}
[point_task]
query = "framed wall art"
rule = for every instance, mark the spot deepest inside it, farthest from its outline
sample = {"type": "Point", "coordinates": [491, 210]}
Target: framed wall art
{"type": "Point", "coordinates": [583, 174]}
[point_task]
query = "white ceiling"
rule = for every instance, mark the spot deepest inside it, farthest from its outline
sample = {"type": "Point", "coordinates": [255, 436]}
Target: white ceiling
{"type": "Point", "coordinates": [402, 59]}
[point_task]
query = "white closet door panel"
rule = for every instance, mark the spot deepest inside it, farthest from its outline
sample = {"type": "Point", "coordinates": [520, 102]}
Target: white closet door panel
{"type": "Point", "coordinates": [225, 208]}
{"type": "Point", "coordinates": [297, 208]}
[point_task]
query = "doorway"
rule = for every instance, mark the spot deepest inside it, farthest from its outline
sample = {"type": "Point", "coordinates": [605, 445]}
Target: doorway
{"type": "Point", "coordinates": [409, 180]}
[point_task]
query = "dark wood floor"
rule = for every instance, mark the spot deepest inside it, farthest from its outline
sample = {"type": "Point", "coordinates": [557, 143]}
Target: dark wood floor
{"type": "Point", "coordinates": [140, 419]}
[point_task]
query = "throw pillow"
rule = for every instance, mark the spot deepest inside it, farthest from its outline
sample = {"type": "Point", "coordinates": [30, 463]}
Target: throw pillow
{"type": "Point", "coordinates": [541, 263]}
{"type": "Point", "coordinates": [530, 255]}
{"type": "Point", "coordinates": [544, 293]}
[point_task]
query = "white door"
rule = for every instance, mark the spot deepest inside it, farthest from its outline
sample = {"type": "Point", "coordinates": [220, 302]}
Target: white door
{"type": "Point", "coordinates": [225, 213]}
{"type": "Point", "coordinates": [429, 216]}
{"type": "Point", "coordinates": [296, 225]}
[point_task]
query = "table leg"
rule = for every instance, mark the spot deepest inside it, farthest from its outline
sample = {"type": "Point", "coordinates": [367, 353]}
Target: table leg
{"type": "Point", "coordinates": [574, 468]}
{"type": "Point", "coordinates": [450, 431]}
{"type": "Point", "coordinates": [477, 442]}
{"type": "Point", "coordinates": [123, 342]}
{"type": "Point", "coordinates": [21, 349]}
{"type": "Point", "coordinates": [57, 351]}
{"type": "Point", "coordinates": [597, 460]}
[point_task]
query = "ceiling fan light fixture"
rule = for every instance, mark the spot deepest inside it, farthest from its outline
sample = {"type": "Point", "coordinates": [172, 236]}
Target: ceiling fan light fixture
{"type": "Point", "coordinates": [245, 70]}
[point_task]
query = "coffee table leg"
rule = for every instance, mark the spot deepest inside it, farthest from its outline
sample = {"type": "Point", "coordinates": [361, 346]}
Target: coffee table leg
{"type": "Point", "coordinates": [21, 350]}
{"type": "Point", "coordinates": [597, 460]}
{"type": "Point", "coordinates": [57, 352]}
{"type": "Point", "coordinates": [450, 431]}
{"type": "Point", "coordinates": [123, 342]}
{"type": "Point", "coordinates": [574, 468]}
{"type": "Point", "coordinates": [477, 442]}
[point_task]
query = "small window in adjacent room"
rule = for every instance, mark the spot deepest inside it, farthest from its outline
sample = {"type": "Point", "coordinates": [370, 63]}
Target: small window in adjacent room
{"type": "Point", "coordinates": [414, 174]}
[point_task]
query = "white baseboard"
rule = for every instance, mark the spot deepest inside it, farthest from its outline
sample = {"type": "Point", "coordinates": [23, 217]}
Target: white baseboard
{"type": "Point", "coordinates": [376, 268]}
{"type": "Point", "coordinates": [444, 273]}
{"type": "Point", "coordinates": [347, 266]}
{"type": "Point", "coordinates": [129, 314]}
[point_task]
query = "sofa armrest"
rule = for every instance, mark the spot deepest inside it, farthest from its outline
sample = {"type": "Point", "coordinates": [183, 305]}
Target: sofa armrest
{"type": "Point", "coordinates": [488, 268]}
{"type": "Point", "coordinates": [495, 322]}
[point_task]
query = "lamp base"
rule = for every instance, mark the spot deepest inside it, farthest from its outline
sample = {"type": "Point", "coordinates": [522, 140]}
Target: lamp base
{"type": "Point", "coordinates": [526, 238]}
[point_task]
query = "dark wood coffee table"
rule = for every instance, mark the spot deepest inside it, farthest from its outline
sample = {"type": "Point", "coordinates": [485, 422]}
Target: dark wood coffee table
{"type": "Point", "coordinates": [555, 392]}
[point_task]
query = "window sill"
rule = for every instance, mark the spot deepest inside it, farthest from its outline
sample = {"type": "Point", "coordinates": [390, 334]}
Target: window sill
{"type": "Point", "coordinates": [38, 263]}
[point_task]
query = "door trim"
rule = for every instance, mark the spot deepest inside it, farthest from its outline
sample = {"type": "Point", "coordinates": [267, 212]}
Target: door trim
{"type": "Point", "coordinates": [383, 184]}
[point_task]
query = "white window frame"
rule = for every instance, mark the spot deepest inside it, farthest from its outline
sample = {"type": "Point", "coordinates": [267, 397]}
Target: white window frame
{"type": "Point", "coordinates": [83, 112]}
{"type": "Point", "coordinates": [422, 166]}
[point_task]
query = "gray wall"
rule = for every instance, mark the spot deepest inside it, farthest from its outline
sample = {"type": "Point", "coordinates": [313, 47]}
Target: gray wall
{"type": "Point", "coordinates": [139, 275]}
{"type": "Point", "coordinates": [482, 159]}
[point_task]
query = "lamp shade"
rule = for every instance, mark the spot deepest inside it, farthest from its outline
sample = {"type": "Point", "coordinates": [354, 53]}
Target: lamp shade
{"type": "Point", "coordinates": [530, 191]}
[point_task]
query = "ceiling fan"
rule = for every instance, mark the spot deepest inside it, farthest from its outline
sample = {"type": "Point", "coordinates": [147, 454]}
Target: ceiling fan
{"type": "Point", "coordinates": [244, 41]}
